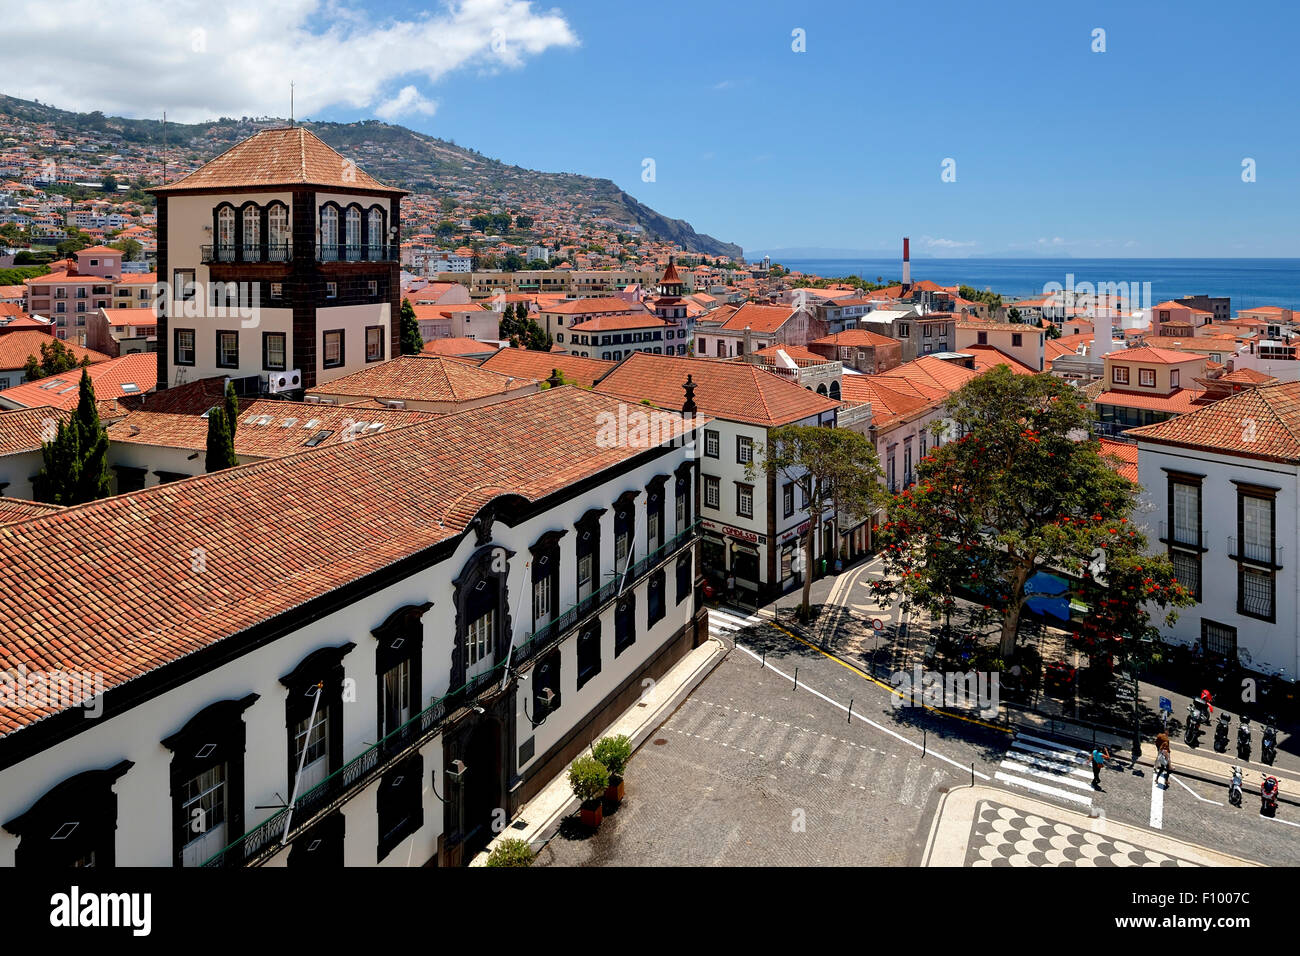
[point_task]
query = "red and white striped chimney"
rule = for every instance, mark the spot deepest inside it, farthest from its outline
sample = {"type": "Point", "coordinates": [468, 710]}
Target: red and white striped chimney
{"type": "Point", "coordinates": [907, 263]}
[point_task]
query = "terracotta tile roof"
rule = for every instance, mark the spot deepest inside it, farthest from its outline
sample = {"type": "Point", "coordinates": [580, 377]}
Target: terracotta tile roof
{"type": "Point", "coordinates": [190, 398]}
{"type": "Point", "coordinates": [856, 338]}
{"type": "Point", "coordinates": [1246, 376]}
{"type": "Point", "coordinates": [758, 318]}
{"type": "Point", "coordinates": [421, 378]}
{"type": "Point", "coordinates": [109, 377]}
{"type": "Point", "coordinates": [13, 510]}
{"type": "Point", "coordinates": [936, 373]}
{"type": "Point", "coordinates": [459, 347]}
{"type": "Point", "coordinates": [1273, 410]}
{"type": "Point", "coordinates": [889, 404]}
{"type": "Point", "coordinates": [290, 156]}
{"type": "Point", "coordinates": [98, 251]}
{"type": "Point", "coordinates": [16, 347]}
{"type": "Point", "coordinates": [1152, 354]}
{"type": "Point", "coordinates": [137, 278]}
{"type": "Point", "coordinates": [1182, 400]}
{"type": "Point", "coordinates": [734, 391]}
{"type": "Point", "coordinates": [108, 586]}
{"type": "Point", "coordinates": [1121, 456]}
{"type": "Point", "coordinates": [267, 428]}
{"type": "Point", "coordinates": [617, 323]}
{"type": "Point", "coordinates": [589, 306]}
{"type": "Point", "coordinates": [987, 356]}
{"type": "Point", "coordinates": [16, 321]}
{"type": "Point", "coordinates": [23, 429]}
{"type": "Point", "coordinates": [523, 363]}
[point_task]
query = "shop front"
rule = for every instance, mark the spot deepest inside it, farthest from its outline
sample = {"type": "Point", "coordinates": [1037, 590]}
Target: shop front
{"type": "Point", "coordinates": [733, 561]}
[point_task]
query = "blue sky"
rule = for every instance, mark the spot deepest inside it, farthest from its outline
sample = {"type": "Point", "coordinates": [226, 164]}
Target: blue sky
{"type": "Point", "coordinates": [1136, 151]}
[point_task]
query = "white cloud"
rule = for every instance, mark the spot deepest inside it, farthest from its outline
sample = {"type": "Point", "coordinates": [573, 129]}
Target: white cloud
{"type": "Point", "coordinates": [199, 60]}
{"type": "Point", "coordinates": [408, 100]}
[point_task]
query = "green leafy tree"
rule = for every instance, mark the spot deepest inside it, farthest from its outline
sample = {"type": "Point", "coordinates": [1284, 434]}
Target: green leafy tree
{"type": "Point", "coordinates": [131, 250]}
{"type": "Point", "coordinates": [512, 262]}
{"type": "Point", "coordinates": [412, 341]}
{"type": "Point", "coordinates": [109, 183]}
{"type": "Point", "coordinates": [523, 222]}
{"type": "Point", "coordinates": [837, 471]}
{"type": "Point", "coordinates": [1051, 331]}
{"type": "Point", "coordinates": [221, 441]}
{"type": "Point", "coordinates": [75, 468]}
{"type": "Point", "coordinates": [55, 359]}
{"type": "Point", "coordinates": [1024, 490]}
{"type": "Point", "coordinates": [1013, 315]}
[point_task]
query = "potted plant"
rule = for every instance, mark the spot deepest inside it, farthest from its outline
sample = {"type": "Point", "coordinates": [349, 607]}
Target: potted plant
{"type": "Point", "coordinates": [511, 851]}
{"type": "Point", "coordinates": [613, 753]}
{"type": "Point", "coordinates": [588, 778]}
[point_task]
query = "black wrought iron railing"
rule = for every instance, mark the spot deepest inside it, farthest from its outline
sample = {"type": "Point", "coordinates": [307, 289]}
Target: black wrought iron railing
{"type": "Point", "coordinates": [230, 252]}
{"type": "Point", "coordinates": [588, 607]}
{"type": "Point", "coordinates": [276, 830]}
{"type": "Point", "coordinates": [338, 252]}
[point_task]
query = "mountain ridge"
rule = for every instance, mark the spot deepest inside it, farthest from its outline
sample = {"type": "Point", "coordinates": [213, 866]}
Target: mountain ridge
{"type": "Point", "coordinates": [395, 154]}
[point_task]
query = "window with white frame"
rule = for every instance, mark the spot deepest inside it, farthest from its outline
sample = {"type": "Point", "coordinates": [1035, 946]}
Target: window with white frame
{"type": "Point", "coordinates": [312, 735]}
{"type": "Point", "coordinates": [712, 491]}
{"type": "Point", "coordinates": [252, 243]}
{"type": "Point", "coordinates": [478, 640]}
{"type": "Point", "coordinates": [203, 815]}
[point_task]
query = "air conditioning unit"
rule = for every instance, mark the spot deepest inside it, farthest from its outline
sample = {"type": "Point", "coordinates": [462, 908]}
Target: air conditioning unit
{"type": "Point", "coordinates": [277, 382]}
{"type": "Point", "coordinates": [395, 404]}
{"type": "Point", "coordinates": [312, 399]}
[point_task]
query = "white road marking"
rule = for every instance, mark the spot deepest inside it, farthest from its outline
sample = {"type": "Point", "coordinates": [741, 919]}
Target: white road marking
{"type": "Point", "coordinates": [1157, 803]}
{"type": "Point", "coordinates": [1044, 764]}
{"type": "Point", "coordinates": [1043, 788]}
{"type": "Point", "coordinates": [1194, 793]}
{"type": "Point", "coordinates": [1276, 820]}
{"type": "Point", "coordinates": [885, 730]}
{"type": "Point", "coordinates": [1045, 774]}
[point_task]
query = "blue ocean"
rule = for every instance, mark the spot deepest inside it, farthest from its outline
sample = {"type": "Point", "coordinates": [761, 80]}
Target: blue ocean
{"type": "Point", "coordinates": [1250, 283]}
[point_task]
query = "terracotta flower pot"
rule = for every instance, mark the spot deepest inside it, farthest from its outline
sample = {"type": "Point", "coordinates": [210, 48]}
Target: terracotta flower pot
{"type": "Point", "coordinates": [591, 814]}
{"type": "Point", "coordinates": [616, 790]}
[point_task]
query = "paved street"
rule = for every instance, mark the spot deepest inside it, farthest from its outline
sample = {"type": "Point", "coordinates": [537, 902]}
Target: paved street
{"type": "Point", "coordinates": [754, 769]}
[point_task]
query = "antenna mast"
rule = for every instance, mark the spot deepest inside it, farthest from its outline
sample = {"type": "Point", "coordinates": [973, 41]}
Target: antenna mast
{"type": "Point", "coordinates": [291, 122]}
{"type": "Point", "coordinates": [164, 149]}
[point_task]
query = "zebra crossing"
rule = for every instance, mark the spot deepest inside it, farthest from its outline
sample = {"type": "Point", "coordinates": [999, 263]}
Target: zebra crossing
{"type": "Point", "coordinates": [1048, 768]}
{"type": "Point", "coordinates": [729, 623]}
{"type": "Point", "coordinates": [906, 779]}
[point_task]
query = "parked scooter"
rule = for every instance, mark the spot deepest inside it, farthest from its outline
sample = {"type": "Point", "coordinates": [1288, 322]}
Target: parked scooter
{"type": "Point", "coordinates": [1268, 746]}
{"type": "Point", "coordinates": [1234, 787]}
{"type": "Point", "coordinates": [1243, 738]}
{"type": "Point", "coordinates": [1268, 795]}
{"type": "Point", "coordinates": [1221, 733]}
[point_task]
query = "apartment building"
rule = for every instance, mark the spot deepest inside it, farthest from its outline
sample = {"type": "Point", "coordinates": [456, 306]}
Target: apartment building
{"type": "Point", "coordinates": [398, 688]}
{"type": "Point", "coordinates": [614, 337]}
{"type": "Point", "coordinates": [1024, 343]}
{"type": "Point", "coordinates": [1222, 483]}
{"type": "Point", "coordinates": [867, 352]}
{"type": "Point", "coordinates": [733, 331]}
{"type": "Point", "coordinates": [752, 524]}
{"type": "Point", "coordinates": [1147, 385]}
{"type": "Point", "coordinates": [918, 334]}
{"type": "Point", "coordinates": [281, 257]}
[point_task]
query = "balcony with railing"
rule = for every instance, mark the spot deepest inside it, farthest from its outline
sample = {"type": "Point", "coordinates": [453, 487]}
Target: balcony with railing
{"type": "Point", "coordinates": [363, 253]}
{"type": "Point", "coordinates": [1187, 537]}
{"type": "Point", "coordinates": [230, 253]}
{"type": "Point", "coordinates": [279, 829]}
{"type": "Point", "coordinates": [1256, 551]}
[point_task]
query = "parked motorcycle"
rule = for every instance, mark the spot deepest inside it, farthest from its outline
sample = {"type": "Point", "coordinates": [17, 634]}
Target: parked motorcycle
{"type": "Point", "coordinates": [1192, 732]}
{"type": "Point", "coordinates": [1221, 733]}
{"type": "Point", "coordinates": [1268, 746]}
{"type": "Point", "coordinates": [1234, 787]}
{"type": "Point", "coordinates": [1268, 795]}
{"type": "Point", "coordinates": [1243, 738]}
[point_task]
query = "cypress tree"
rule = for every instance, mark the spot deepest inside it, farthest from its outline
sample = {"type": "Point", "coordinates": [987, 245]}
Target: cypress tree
{"type": "Point", "coordinates": [75, 468]}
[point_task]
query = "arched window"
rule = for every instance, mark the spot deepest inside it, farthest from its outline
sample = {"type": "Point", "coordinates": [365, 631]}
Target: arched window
{"type": "Point", "coordinates": [329, 233]}
{"type": "Point", "coordinates": [252, 234]}
{"type": "Point", "coordinates": [835, 390]}
{"type": "Point", "coordinates": [353, 237]}
{"type": "Point", "coordinates": [225, 234]}
{"type": "Point", "coordinates": [376, 233]}
{"type": "Point", "coordinates": [821, 389]}
{"type": "Point", "coordinates": [277, 233]}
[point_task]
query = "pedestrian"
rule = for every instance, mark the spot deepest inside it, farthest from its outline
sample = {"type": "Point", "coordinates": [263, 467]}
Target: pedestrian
{"type": "Point", "coordinates": [1162, 755]}
{"type": "Point", "coordinates": [1099, 758]}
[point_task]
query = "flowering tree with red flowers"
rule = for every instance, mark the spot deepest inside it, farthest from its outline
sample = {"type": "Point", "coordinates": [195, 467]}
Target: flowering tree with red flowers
{"type": "Point", "coordinates": [1023, 490]}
